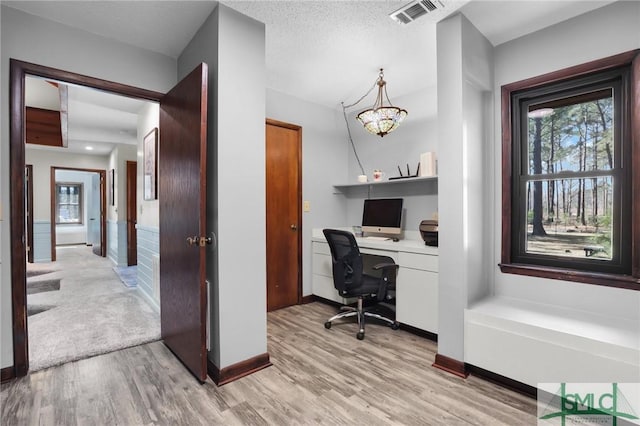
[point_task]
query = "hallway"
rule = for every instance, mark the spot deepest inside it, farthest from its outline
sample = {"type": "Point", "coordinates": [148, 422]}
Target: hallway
{"type": "Point", "coordinates": [92, 313]}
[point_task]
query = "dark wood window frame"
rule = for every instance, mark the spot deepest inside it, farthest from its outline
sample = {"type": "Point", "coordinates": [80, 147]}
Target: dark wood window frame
{"type": "Point", "coordinates": [630, 281]}
{"type": "Point", "coordinates": [80, 203]}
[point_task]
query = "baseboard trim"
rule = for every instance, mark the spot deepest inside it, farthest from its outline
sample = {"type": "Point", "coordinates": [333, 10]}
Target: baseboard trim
{"type": "Point", "coordinates": [307, 299]}
{"type": "Point", "coordinates": [419, 332]}
{"type": "Point", "coordinates": [450, 365]}
{"type": "Point", "coordinates": [238, 370]}
{"type": "Point", "coordinates": [7, 374]}
{"type": "Point", "coordinates": [503, 381]}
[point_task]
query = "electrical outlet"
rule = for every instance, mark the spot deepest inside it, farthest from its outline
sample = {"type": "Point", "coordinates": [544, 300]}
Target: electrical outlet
{"type": "Point", "coordinates": [306, 206]}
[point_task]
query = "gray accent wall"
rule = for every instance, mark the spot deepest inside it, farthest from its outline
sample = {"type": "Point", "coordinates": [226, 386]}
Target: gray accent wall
{"type": "Point", "coordinates": [233, 45]}
{"type": "Point", "coordinates": [32, 39]}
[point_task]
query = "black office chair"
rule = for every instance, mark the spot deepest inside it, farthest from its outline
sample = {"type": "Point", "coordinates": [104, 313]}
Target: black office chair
{"type": "Point", "coordinates": [350, 280]}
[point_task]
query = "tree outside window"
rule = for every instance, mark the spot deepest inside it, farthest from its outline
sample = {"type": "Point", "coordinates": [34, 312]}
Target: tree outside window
{"type": "Point", "coordinates": [68, 203]}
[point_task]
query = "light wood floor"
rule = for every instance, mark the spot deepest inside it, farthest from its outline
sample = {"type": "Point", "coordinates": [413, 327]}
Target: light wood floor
{"type": "Point", "coordinates": [318, 376]}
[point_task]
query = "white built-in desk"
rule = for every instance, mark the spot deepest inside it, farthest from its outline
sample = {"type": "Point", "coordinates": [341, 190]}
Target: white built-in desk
{"type": "Point", "coordinates": [416, 283]}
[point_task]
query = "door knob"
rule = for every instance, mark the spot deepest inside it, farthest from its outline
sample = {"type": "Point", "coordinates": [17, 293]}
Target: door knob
{"type": "Point", "coordinates": [199, 241]}
{"type": "Point", "coordinates": [294, 227]}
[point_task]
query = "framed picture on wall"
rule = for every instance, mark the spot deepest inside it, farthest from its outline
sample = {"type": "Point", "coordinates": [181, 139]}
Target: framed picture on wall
{"type": "Point", "coordinates": [150, 165]}
{"type": "Point", "coordinates": [112, 180]}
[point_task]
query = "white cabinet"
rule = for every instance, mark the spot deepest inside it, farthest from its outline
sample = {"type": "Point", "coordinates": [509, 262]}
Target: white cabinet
{"type": "Point", "coordinates": [417, 291]}
{"type": "Point", "coordinates": [322, 275]}
{"type": "Point", "coordinates": [416, 284]}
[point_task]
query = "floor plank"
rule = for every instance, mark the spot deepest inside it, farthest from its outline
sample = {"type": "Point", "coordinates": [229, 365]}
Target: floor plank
{"type": "Point", "coordinates": [318, 377]}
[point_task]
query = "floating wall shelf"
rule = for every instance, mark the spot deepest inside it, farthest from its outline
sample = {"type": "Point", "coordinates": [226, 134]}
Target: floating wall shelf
{"type": "Point", "coordinates": [385, 182]}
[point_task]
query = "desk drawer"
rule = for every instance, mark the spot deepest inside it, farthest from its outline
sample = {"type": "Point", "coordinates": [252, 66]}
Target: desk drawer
{"type": "Point", "coordinates": [419, 261]}
{"type": "Point", "coordinates": [322, 248]}
{"type": "Point", "coordinates": [321, 265]}
{"type": "Point", "coordinates": [393, 255]}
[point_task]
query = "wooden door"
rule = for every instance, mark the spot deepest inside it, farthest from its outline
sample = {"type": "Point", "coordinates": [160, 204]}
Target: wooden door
{"type": "Point", "coordinates": [283, 214]}
{"type": "Point", "coordinates": [28, 208]}
{"type": "Point", "coordinates": [100, 245]}
{"type": "Point", "coordinates": [182, 203]}
{"type": "Point", "coordinates": [132, 188]}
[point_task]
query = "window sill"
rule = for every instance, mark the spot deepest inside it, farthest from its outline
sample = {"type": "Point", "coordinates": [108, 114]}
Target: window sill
{"type": "Point", "coordinates": [610, 280]}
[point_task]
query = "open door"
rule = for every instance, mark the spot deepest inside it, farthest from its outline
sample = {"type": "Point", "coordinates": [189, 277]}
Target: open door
{"type": "Point", "coordinates": [182, 207]}
{"type": "Point", "coordinates": [132, 214]}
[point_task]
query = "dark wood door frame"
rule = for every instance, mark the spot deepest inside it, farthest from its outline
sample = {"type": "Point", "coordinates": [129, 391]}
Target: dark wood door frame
{"type": "Point", "coordinates": [29, 218]}
{"type": "Point", "coordinates": [18, 72]}
{"type": "Point", "coordinates": [132, 189]}
{"type": "Point", "coordinates": [298, 129]}
{"type": "Point", "coordinates": [103, 203]}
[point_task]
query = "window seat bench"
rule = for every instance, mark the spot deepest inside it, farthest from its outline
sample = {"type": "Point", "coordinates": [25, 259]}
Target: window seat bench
{"type": "Point", "coordinates": [536, 343]}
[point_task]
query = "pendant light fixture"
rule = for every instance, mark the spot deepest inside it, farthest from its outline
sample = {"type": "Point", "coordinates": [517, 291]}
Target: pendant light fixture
{"type": "Point", "coordinates": [381, 119]}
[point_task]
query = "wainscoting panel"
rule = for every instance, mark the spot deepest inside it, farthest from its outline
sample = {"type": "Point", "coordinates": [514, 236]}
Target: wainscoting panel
{"type": "Point", "coordinates": [117, 242]}
{"type": "Point", "coordinates": [41, 241]}
{"type": "Point", "coordinates": [148, 251]}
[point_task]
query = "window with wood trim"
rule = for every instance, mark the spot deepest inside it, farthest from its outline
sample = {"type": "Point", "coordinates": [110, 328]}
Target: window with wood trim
{"type": "Point", "coordinates": [570, 168]}
{"type": "Point", "coordinates": [69, 203]}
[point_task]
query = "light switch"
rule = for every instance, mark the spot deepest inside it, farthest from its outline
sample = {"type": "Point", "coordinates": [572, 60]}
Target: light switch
{"type": "Point", "coordinates": [306, 206]}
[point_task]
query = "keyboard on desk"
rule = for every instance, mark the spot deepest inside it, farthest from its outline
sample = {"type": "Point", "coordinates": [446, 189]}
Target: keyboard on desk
{"type": "Point", "coordinates": [377, 238]}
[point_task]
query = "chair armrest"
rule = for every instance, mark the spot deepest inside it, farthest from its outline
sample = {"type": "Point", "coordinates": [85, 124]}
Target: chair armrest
{"type": "Point", "coordinates": [387, 269]}
{"type": "Point", "coordinates": [385, 266]}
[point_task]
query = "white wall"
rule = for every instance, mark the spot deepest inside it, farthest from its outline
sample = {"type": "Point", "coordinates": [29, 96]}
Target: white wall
{"type": "Point", "coordinates": [118, 161]}
{"type": "Point", "coordinates": [538, 330]}
{"type": "Point", "coordinates": [464, 73]}
{"type": "Point", "coordinates": [417, 134]}
{"type": "Point", "coordinates": [324, 162]}
{"type": "Point", "coordinates": [32, 39]}
{"type": "Point", "coordinates": [560, 46]}
{"type": "Point", "coordinates": [148, 118]}
{"type": "Point", "coordinates": [233, 46]}
{"type": "Point", "coordinates": [117, 213]}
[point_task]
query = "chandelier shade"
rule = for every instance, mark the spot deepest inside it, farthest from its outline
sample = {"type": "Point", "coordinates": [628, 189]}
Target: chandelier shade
{"type": "Point", "coordinates": [381, 119]}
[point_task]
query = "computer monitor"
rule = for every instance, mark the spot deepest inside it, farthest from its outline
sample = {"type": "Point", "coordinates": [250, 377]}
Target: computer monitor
{"type": "Point", "coordinates": [382, 216]}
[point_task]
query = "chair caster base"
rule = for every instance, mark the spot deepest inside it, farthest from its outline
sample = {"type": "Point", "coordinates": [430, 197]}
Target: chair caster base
{"type": "Point", "coordinates": [360, 335]}
{"type": "Point", "coordinates": [327, 325]}
{"type": "Point", "coordinates": [395, 325]}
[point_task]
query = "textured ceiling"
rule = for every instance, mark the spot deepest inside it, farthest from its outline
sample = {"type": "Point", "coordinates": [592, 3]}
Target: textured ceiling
{"type": "Point", "coordinates": [328, 52]}
{"type": "Point", "coordinates": [324, 52]}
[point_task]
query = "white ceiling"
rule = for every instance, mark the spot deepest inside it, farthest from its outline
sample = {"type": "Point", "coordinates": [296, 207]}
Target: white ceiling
{"type": "Point", "coordinates": [322, 51]}
{"type": "Point", "coordinates": [96, 119]}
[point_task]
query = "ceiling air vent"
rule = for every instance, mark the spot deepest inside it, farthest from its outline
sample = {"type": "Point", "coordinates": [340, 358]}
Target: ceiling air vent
{"type": "Point", "coordinates": [412, 11]}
